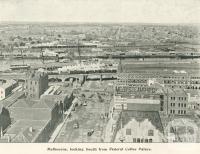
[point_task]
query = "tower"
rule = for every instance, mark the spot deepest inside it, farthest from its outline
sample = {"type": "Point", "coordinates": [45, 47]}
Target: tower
{"type": "Point", "coordinates": [36, 83]}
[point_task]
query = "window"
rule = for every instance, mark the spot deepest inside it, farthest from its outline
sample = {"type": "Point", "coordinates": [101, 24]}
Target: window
{"type": "Point", "coordinates": [184, 105]}
{"type": "Point", "coordinates": [134, 140]}
{"type": "Point", "coordinates": [178, 111]}
{"type": "Point", "coordinates": [173, 111]}
{"type": "Point", "coordinates": [146, 141]}
{"type": "Point", "coordinates": [128, 131]}
{"type": "Point", "coordinates": [138, 140]}
{"type": "Point", "coordinates": [184, 112]}
{"type": "Point", "coordinates": [150, 140]}
{"type": "Point", "coordinates": [150, 132]}
{"type": "Point", "coordinates": [178, 104]}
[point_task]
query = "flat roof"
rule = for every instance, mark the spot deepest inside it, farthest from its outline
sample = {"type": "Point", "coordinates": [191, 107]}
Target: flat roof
{"type": "Point", "coordinates": [21, 128]}
{"type": "Point", "coordinates": [7, 84]}
{"type": "Point", "coordinates": [137, 100]}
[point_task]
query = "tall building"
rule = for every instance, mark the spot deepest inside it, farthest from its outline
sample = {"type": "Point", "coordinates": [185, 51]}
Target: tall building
{"type": "Point", "coordinates": [36, 84]}
{"type": "Point", "coordinates": [179, 101]}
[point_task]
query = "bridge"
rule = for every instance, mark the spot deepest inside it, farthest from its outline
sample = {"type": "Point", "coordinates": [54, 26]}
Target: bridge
{"type": "Point", "coordinates": [62, 77]}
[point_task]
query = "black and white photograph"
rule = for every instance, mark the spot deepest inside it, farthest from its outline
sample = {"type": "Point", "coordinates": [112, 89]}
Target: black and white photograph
{"type": "Point", "coordinates": [100, 71]}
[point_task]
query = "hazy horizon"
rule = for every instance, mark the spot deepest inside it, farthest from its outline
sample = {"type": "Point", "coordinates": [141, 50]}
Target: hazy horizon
{"type": "Point", "coordinates": [101, 11]}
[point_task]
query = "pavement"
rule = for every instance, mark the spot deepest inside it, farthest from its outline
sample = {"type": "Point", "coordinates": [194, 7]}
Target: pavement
{"type": "Point", "coordinates": [88, 117]}
{"type": "Point", "coordinates": [60, 126]}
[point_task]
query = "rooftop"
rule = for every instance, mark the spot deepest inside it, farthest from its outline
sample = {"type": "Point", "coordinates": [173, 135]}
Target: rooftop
{"type": "Point", "coordinates": [9, 101]}
{"type": "Point", "coordinates": [140, 116]}
{"type": "Point", "coordinates": [138, 100]}
{"type": "Point", "coordinates": [7, 84]}
{"type": "Point", "coordinates": [36, 75]}
{"type": "Point", "coordinates": [172, 67]}
{"type": "Point", "coordinates": [25, 130]}
{"type": "Point", "coordinates": [176, 91]}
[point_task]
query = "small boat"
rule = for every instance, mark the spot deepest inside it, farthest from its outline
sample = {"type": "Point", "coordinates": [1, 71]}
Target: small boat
{"type": "Point", "coordinates": [19, 67]}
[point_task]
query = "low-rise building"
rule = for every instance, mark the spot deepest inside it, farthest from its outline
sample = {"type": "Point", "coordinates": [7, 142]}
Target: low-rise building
{"type": "Point", "coordinates": [6, 88]}
{"type": "Point", "coordinates": [32, 112]}
{"type": "Point", "coordinates": [138, 104]}
{"type": "Point", "coordinates": [139, 127]}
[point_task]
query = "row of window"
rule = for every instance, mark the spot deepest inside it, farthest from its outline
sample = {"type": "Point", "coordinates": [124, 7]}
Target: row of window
{"type": "Point", "coordinates": [142, 140]}
{"type": "Point", "coordinates": [179, 98]}
{"type": "Point", "coordinates": [179, 104]}
{"type": "Point", "coordinates": [181, 111]}
{"type": "Point", "coordinates": [172, 111]}
{"type": "Point", "coordinates": [178, 112]}
{"type": "Point", "coordinates": [33, 82]}
{"type": "Point", "coordinates": [150, 132]}
{"type": "Point", "coordinates": [182, 105]}
{"type": "Point", "coordinates": [181, 82]}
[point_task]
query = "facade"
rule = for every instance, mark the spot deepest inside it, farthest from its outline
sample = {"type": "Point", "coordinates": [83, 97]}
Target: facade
{"type": "Point", "coordinates": [35, 117]}
{"type": "Point", "coordinates": [64, 100]}
{"type": "Point", "coordinates": [182, 130]}
{"type": "Point", "coordinates": [138, 81]}
{"type": "Point", "coordinates": [5, 119]}
{"type": "Point", "coordinates": [35, 120]}
{"type": "Point", "coordinates": [179, 101]}
{"type": "Point", "coordinates": [36, 84]}
{"type": "Point", "coordinates": [139, 127]}
{"type": "Point", "coordinates": [6, 88]}
{"type": "Point", "coordinates": [137, 104]}
{"type": "Point", "coordinates": [175, 101]}
{"type": "Point", "coordinates": [193, 100]}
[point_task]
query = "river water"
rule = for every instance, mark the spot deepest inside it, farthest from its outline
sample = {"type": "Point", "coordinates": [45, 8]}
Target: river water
{"type": "Point", "coordinates": [5, 63]}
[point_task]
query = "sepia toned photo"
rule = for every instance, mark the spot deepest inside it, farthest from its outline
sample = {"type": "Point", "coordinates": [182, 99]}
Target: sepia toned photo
{"type": "Point", "coordinates": [97, 71]}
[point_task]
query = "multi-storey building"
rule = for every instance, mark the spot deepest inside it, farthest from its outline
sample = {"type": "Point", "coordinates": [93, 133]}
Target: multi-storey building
{"type": "Point", "coordinates": [35, 84]}
{"type": "Point", "coordinates": [172, 86]}
{"type": "Point", "coordinates": [174, 101]}
{"type": "Point", "coordinates": [136, 78]}
{"type": "Point", "coordinates": [138, 81]}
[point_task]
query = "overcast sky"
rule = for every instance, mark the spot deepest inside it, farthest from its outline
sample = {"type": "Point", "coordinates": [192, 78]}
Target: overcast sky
{"type": "Point", "coordinates": [135, 11]}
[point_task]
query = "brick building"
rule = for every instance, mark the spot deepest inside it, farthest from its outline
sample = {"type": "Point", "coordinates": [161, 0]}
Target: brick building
{"type": "Point", "coordinates": [36, 84]}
